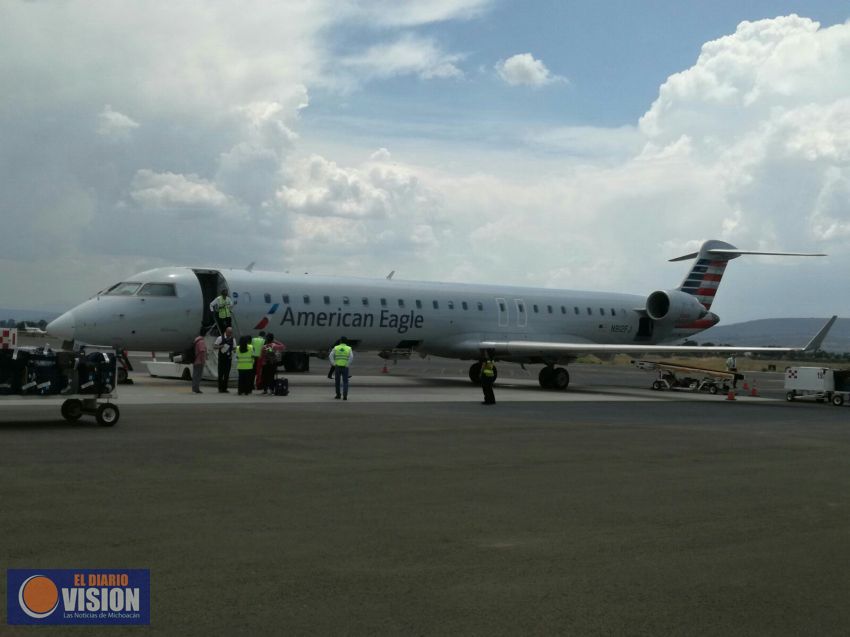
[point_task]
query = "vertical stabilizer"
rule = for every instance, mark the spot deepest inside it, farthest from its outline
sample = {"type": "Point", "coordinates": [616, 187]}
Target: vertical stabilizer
{"type": "Point", "coordinates": [704, 278]}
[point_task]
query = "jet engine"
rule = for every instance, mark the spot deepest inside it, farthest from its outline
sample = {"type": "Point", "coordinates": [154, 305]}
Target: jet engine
{"type": "Point", "coordinates": [674, 305]}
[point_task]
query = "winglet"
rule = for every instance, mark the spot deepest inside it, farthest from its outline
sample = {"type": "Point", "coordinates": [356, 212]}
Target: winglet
{"type": "Point", "coordinates": [814, 344]}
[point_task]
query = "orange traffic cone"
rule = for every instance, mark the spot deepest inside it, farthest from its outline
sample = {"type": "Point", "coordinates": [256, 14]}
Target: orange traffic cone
{"type": "Point", "coordinates": [746, 386]}
{"type": "Point", "coordinates": [731, 394]}
{"type": "Point", "coordinates": [385, 370]}
{"type": "Point", "coordinates": [754, 391]}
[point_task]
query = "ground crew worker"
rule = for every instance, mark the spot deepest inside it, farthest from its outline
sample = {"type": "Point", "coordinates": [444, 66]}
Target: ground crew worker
{"type": "Point", "coordinates": [732, 366]}
{"type": "Point", "coordinates": [245, 366]}
{"type": "Point", "coordinates": [488, 377]}
{"type": "Point", "coordinates": [257, 344]}
{"type": "Point", "coordinates": [341, 357]}
{"type": "Point", "coordinates": [224, 345]}
{"type": "Point", "coordinates": [222, 309]}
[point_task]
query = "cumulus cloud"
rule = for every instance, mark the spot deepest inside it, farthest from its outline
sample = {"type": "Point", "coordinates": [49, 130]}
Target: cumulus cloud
{"type": "Point", "coordinates": [115, 125]}
{"type": "Point", "coordinates": [169, 191]}
{"type": "Point", "coordinates": [408, 55]}
{"type": "Point", "coordinates": [407, 14]}
{"type": "Point", "coordinates": [523, 69]}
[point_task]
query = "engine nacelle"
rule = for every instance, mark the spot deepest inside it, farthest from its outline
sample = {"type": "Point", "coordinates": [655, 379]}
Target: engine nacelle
{"type": "Point", "coordinates": [674, 305]}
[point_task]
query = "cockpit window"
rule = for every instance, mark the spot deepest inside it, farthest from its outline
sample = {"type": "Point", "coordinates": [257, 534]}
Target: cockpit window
{"type": "Point", "coordinates": [126, 288]}
{"type": "Point", "coordinates": [158, 289]}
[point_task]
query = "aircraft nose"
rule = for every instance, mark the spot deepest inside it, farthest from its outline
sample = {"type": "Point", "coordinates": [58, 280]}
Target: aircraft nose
{"type": "Point", "coordinates": [63, 327]}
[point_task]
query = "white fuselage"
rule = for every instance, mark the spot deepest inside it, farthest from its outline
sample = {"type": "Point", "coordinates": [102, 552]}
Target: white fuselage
{"type": "Point", "coordinates": [309, 313]}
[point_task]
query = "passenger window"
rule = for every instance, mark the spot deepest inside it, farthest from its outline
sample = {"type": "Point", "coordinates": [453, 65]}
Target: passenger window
{"type": "Point", "coordinates": [563, 310]}
{"type": "Point", "coordinates": [158, 289]}
{"type": "Point", "coordinates": [401, 302]}
{"type": "Point", "coordinates": [383, 303]}
{"type": "Point", "coordinates": [501, 306]}
{"type": "Point", "coordinates": [267, 297]}
{"type": "Point", "coordinates": [575, 309]}
{"type": "Point", "coordinates": [127, 288]}
{"type": "Point", "coordinates": [589, 312]}
{"type": "Point", "coordinates": [306, 299]}
{"type": "Point", "coordinates": [549, 308]}
{"type": "Point", "coordinates": [285, 298]}
{"type": "Point", "coordinates": [418, 304]}
{"type": "Point", "coordinates": [602, 311]}
{"type": "Point", "coordinates": [613, 312]}
{"type": "Point", "coordinates": [521, 307]}
{"type": "Point", "coordinates": [464, 305]}
{"type": "Point", "coordinates": [436, 305]}
{"type": "Point", "coordinates": [480, 306]}
{"type": "Point", "coordinates": [365, 301]}
{"type": "Point", "coordinates": [327, 300]}
{"type": "Point", "coordinates": [535, 308]}
{"type": "Point", "coordinates": [346, 300]}
{"type": "Point", "coordinates": [451, 305]}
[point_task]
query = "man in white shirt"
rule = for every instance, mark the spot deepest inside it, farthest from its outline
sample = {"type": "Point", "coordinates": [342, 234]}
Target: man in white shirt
{"type": "Point", "coordinates": [224, 346]}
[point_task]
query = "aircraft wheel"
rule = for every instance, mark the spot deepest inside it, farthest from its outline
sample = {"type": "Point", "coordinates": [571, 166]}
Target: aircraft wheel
{"type": "Point", "coordinates": [187, 375]}
{"type": "Point", "coordinates": [838, 399]}
{"type": "Point", "coordinates": [475, 373]}
{"type": "Point", "coordinates": [107, 415]}
{"type": "Point", "coordinates": [72, 410]}
{"type": "Point", "coordinates": [560, 378]}
{"type": "Point", "coordinates": [546, 377]}
{"type": "Point", "coordinates": [790, 396]}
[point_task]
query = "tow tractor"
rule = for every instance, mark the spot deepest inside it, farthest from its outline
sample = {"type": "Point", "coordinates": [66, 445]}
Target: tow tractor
{"type": "Point", "coordinates": [688, 378]}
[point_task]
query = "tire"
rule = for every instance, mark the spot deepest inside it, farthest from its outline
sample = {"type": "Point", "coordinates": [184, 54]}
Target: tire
{"type": "Point", "coordinates": [107, 415]}
{"type": "Point", "coordinates": [560, 379]}
{"type": "Point", "coordinates": [475, 373]}
{"type": "Point", "coordinates": [838, 399]}
{"type": "Point", "coordinates": [546, 377]}
{"type": "Point", "coordinates": [187, 375]}
{"type": "Point", "coordinates": [122, 375]}
{"type": "Point", "coordinates": [657, 385]}
{"type": "Point", "coordinates": [712, 389]}
{"type": "Point", "coordinates": [72, 410]}
{"type": "Point", "coordinates": [790, 397]}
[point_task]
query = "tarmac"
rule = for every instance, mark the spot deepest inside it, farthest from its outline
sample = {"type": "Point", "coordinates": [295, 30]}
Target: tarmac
{"type": "Point", "coordinates": [609, 509]}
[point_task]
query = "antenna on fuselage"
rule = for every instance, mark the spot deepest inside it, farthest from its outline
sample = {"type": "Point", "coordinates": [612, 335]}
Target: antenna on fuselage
{"type": "Point", "coordinates": [390, 275]}
{"type": "Point", "coordinates": [250, 266]}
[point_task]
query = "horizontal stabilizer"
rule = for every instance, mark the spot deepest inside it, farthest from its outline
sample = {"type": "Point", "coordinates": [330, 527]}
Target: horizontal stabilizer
{"type": "Point", "coordinates": [724, 253]}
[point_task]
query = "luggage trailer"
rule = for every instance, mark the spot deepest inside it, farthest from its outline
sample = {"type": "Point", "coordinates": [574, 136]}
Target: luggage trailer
{"type": "Point", "coordinates": [817, 383]}
{"type": "Point", "coordinates": [86, 393]}
{"type": "Point", "coordinates": [689, 378]}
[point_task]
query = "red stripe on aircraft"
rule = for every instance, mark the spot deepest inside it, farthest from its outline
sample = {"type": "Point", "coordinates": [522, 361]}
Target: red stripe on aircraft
{"type": "Point", "coordinates": [706, 291]}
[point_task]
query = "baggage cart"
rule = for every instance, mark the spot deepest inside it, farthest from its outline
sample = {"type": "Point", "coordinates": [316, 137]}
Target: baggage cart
{"type": "Point", "coordinates": [671, 376]}
{"type": "Point", "coordinates": [821, 384]}
{"type": "Point", "coordinates": [80, 383]}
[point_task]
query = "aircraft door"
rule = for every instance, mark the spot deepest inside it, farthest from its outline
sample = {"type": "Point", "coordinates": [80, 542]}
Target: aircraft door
{"type": "Point", "coordinates": [502, 309]}
{"type": "Point", "coordinates": [521, 316]}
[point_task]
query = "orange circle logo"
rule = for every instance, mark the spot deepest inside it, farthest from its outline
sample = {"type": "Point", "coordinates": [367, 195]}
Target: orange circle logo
{"type": "Point", "coordinates": [38, 596]}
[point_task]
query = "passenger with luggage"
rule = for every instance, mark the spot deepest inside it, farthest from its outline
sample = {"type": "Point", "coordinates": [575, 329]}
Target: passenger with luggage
{"type": "Point", "coordinates": [269, 364]}
{"type": "Point", "coordinates": [224, 345]}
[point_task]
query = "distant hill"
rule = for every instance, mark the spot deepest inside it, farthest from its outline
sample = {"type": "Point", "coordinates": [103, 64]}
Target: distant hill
{"type": "Point", "coordinates": [27, 315]}
{"type": "Point", "coordinates": [783, 332]}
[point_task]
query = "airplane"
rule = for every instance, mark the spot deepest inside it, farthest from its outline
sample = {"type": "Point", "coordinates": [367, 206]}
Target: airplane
{"type": "Point", "coordinates": [165, 308]}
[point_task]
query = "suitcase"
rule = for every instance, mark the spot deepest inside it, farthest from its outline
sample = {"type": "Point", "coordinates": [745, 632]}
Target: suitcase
{"type": "Point", "coordinates": [281, 387]}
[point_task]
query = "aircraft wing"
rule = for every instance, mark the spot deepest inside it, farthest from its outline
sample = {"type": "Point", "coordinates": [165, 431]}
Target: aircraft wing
{"type": "Point", "coordinates": [544, 348]}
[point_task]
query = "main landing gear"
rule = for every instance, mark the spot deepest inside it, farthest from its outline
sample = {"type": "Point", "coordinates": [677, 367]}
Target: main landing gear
{"type": "Point", "coordinates": [554, 378]}
{"type": "Point", "coordinates": [475, 373]}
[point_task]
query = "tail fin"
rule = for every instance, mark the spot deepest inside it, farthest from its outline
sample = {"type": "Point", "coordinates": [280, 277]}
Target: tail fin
{"type": "Point", "coordinates": [711, 260]}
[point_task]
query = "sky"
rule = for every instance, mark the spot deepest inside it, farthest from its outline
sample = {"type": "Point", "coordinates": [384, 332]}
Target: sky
{"type": "Point", "coordinates": [563, 144]}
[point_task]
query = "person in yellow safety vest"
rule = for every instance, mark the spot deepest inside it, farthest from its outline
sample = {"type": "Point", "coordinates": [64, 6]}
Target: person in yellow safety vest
{"type": "Point", "coordinates": [222, 309]}
{"type": "Point", "coordinates": [257, 343]}
{"type": "Point", "coordinates": [488, 377]}
{"type": "Point", "coordinates": [245, 366]}
{"type": "Point", "coordinates": [341, 357]}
